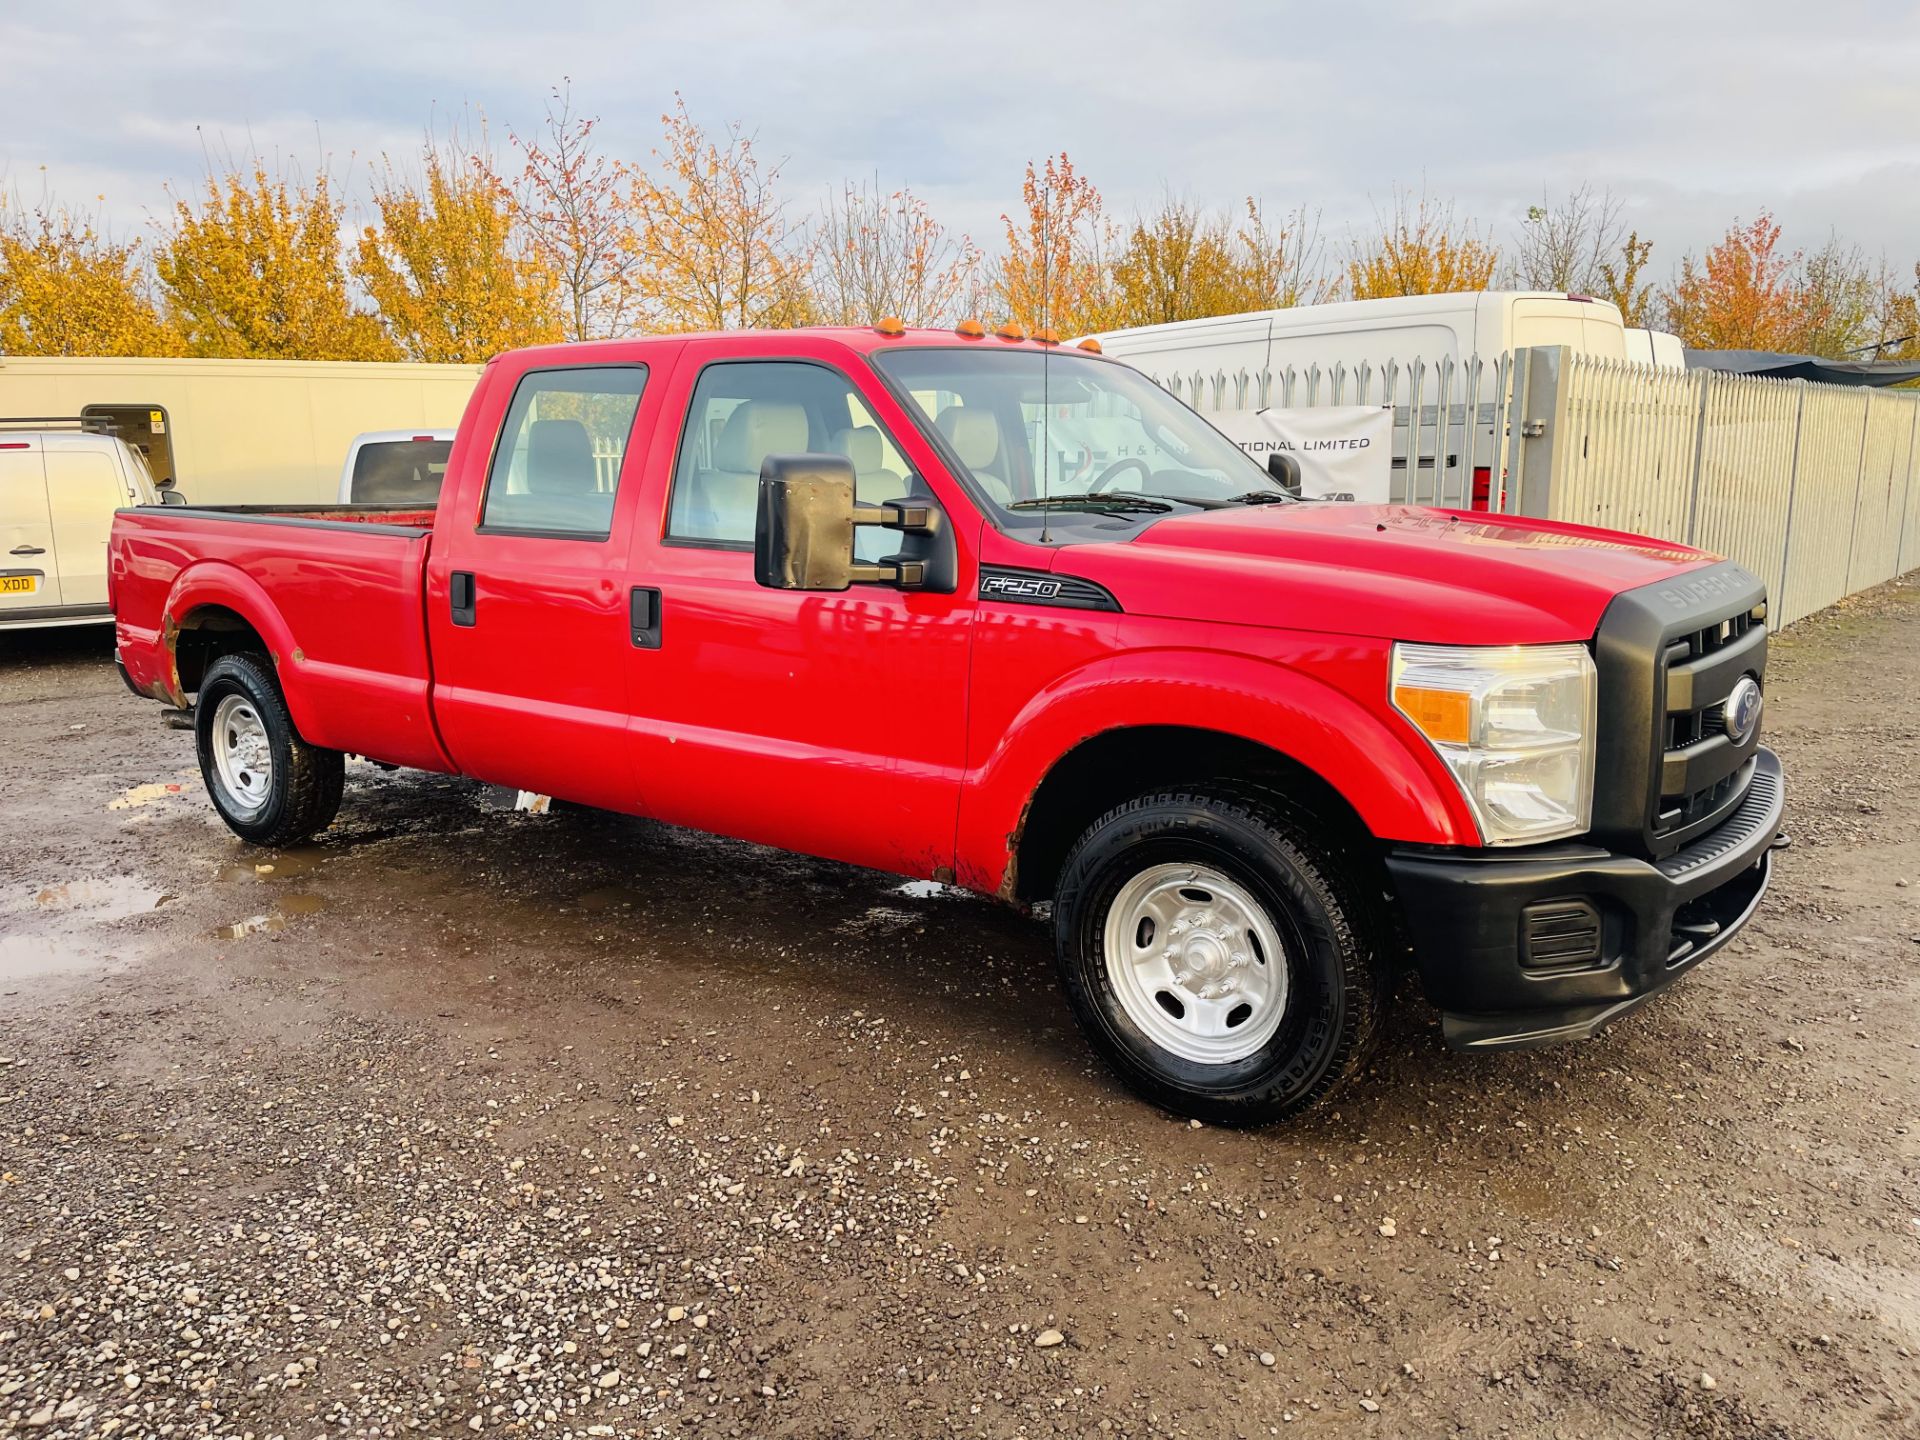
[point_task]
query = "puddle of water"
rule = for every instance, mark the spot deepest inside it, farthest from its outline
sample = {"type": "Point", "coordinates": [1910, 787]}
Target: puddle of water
{"type": "Point", "coordinates": [925, 890]}
{"type": "Point", "coordinates": [252, 925]}
{"type": "Point", "coordinates": [143, 795]}
{"type": "Point", "coordinates": [275, 920]}
{"type": "Point", "coordinates": [60, 924]}
{"type": "Point", "coordinates": [112, 897]}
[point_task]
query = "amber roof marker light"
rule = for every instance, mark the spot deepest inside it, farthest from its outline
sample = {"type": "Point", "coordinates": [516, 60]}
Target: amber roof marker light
{"type": "Point", "coordinates": [1047, 337]}
{"type": "Point", "coordinates": [970, 330]}
{"type": "Point", "coordinates": [1090, 345]}
{"type": "Point", "coordinates": [889, 326]}
{"type": "Point", "coordinates": [1010, 331]}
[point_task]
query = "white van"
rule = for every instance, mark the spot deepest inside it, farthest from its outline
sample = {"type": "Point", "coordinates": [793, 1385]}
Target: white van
{"type": "Point", "coordinates": [1374, 353]}
{"type": "Point", "coordinates": [60, 482]}
{"type": "Point", "coordinates": [395, 467]}
{"type": "Point", "coordinates": [1656, 348]}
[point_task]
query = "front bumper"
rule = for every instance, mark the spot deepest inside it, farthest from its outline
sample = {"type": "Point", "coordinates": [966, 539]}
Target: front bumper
{"type": "Point", "coordinates": [1479, 922]}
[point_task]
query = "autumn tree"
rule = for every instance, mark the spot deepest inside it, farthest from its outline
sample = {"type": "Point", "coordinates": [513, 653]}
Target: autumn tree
{"type": "Point", "coordinates": [881, 253]}
{"type": "Point", "coordinates": [1420, 249]}
{"type": "Point", "coordinates": [712, 226]}
{"type": "Point", "coordinates": [1054, 274]}
{"type": "Point", "coordinates": [1622, 282]}
{"type": "Point", "coordinates": [572, 200]}
{"type": "Point", "coordinates": [67, 289]}
{"type": "Point", "coordinates": [448, 270]}
{"type": "Point", "coordinates": [1840, 294]}
{"type": "Point", "coordinates": [1569, 244]}
{"type": "Point", "coordinates": [1182, 263]}
{"type": "Point", "coordinates": [254, 269]}
{"type": "Point", "coordinates": [1897, 320]}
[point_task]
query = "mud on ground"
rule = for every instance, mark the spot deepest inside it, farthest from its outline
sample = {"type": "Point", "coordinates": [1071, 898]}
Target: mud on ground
{"type": "Point", "coordinates": [463, 1120]}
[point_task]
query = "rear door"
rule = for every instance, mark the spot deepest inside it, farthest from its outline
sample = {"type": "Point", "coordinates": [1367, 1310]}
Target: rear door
{"type": "Point", "coordinates": [84, 487]}
{"type": "Point", "coordinates": [29, 572]}
{"type": "Point", "coordinates": [527, 603]}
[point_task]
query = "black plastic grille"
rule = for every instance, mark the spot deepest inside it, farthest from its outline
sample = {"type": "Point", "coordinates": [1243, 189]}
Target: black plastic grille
{"type": "Point", "coordinates": [1677, 810]}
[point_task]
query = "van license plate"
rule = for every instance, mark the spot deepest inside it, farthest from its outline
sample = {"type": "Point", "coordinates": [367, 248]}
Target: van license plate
{"type": "Point", "coordinates": [19, 584]}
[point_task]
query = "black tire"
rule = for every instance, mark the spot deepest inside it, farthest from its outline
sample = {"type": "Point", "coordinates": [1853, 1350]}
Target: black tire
{"type": "Point", "coordinates": [1338, 977]}
{"type": "Point", "coordinates": [303, 794]}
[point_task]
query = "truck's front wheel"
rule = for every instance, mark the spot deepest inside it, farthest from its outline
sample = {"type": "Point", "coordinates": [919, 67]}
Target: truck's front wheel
{"type": "Point", "coordinates": [1217, 957]}
{"type": "Point", "coordinates": [269, 785]}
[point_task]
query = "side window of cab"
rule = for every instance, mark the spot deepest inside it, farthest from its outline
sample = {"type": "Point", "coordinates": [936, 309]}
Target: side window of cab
{"type": "Point", "coordinates": [556, 467]}
{"type": "Point", "coordinates": [744, 411]}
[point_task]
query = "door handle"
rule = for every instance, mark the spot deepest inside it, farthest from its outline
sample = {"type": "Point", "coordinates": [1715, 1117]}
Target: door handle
{"type": "Point", "coordinates": [643, 615]}
{"type": "Point", "coordinates": [462, 597]}
{"type": "Point", "coordinates": [29, 550]}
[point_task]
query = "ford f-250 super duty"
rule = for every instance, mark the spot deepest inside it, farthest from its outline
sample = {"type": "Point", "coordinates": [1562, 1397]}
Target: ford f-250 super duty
{"type": "Point", "coordinates": [850, 592]}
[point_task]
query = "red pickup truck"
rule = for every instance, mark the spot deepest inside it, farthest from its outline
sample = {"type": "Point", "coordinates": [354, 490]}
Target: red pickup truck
{"type": "Point", "coordinates": [988, 611]}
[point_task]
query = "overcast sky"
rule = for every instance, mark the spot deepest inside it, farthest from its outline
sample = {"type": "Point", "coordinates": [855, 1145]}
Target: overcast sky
{"type": "Point", "coordinates": [1691, 111]}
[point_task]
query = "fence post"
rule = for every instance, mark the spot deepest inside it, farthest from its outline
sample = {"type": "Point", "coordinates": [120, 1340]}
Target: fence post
{"type": "Point", "coordinates": [1906, 496]}
{"type": "Point", "coordinates": [1859, 480]}
{"type": "Point", "coordinates": [1793, 484]}
{"type": "Point", "coordinates": [1537, 422]}
{"type": "Point", "coordinates": [1699, 452]}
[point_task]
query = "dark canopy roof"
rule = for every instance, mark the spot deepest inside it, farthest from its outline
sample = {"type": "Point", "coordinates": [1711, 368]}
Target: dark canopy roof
{"type": "Point", "coordinates": [1805, 367]}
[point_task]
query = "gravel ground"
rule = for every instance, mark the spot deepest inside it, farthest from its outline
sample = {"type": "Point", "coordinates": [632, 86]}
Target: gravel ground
{"type": "Point", "coordinates": [463, 1121]}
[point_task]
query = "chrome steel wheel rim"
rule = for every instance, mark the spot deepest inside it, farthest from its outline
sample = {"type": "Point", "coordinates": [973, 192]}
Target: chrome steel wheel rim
{"type": "Point", "coordinates": [242, 753]}
{"type": "Point", "coordinates": [1196, 963]}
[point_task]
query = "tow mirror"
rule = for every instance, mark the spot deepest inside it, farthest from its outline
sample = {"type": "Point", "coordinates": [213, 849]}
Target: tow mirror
{"type": "Point", "coordinates": [1285, 471]}
{"type": "Point", "coordinates": [803, 533]}
{"type": "Point", "coordinates": [170, 496]}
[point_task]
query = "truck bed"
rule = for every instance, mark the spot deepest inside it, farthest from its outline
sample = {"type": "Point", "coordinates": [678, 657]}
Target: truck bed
{"type": "Point", "coordinates": [336, 591]}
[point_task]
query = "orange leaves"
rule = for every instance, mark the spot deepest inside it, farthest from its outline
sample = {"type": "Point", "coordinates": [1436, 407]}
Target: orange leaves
{"type": "Point", "coordinates": [1054, 272]}
{"type": "Point", "coordinates": [1743, 294]}
{"type": "Point", "coordinates": [446, 268]}
{"type": "Point", "coordinates": [1421, 249]}
{"type": "Point", "coordinates": [254, 269]}
{"type": "Point", "coordinates": [715, 247]}
{"type": "Point", "coordinates": [67, 290]}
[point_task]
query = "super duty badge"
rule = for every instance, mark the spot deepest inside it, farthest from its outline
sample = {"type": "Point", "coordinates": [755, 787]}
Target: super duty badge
{"type": "Point", "coordinates": [1028, 587]}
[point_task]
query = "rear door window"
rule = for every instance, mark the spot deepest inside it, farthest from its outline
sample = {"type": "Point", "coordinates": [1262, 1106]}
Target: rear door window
{"type": "Point", "coordinates": [557, 465]}
{"type": "Point", "coordinates": [386, 471]}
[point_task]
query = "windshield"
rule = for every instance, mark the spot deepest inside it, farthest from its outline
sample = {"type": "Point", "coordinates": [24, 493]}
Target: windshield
{"type": "Point", "coordinates": [1032, 426]}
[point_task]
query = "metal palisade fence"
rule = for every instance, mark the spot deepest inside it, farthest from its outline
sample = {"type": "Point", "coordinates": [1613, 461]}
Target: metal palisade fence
{"type": "Point", "coordinates": [1814, 488]}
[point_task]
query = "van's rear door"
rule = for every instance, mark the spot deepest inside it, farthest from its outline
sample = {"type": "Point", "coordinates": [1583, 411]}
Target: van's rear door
{"type": "Point", "coordinates": [84, 487]}
{"type": "Point", "coordinates": [29, 567]}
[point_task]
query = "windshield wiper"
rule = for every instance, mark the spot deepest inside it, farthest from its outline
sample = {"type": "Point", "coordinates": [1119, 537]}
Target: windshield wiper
{"type": "Point", "coordinates": [1264, 497]}
{"type": "Point", "coordinates": [1095, 501]}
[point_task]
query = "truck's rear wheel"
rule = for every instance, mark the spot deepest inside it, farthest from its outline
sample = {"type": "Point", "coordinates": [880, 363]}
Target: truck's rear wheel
{"type": "Point", "coordinates": [1217, 958]}
{"type": "Point", "coordinates": [269, 785]}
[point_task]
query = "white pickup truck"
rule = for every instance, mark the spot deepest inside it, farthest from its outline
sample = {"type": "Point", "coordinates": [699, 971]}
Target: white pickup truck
{"type": "Point", "coordinates": [60, 482]}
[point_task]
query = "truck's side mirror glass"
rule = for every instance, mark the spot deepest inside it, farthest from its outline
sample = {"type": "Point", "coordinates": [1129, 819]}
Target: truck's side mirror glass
{"type": "Point", "coordinates": [803, 534]}
{"type": "Point", "coordinates": [803, 531]}
{"type": "Point", "coordinates": [1285, 471]}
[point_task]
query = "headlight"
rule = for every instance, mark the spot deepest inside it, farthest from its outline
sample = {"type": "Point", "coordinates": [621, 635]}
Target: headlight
{"type": "Point", "coordinates": [1515, 725]}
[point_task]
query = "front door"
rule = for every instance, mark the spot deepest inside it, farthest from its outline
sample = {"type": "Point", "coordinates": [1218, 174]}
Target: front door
{"type": "Point", "coordinates": [29, 574]}
{"type": "Point", "coordinates": [833, 724]}
{"type": "Point", "coordinates": [527, 595]}
{"type": "Point", "coordinates": [85, 485]}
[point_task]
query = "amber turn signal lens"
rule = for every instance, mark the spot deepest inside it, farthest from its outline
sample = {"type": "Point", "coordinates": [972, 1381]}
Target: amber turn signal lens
{"type": "Point", "coordinates": [1443, 716]}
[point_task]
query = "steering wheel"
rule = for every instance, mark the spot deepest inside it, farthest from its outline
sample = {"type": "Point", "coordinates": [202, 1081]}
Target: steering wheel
{"type": "Point", "coordinates": [1108, 475]}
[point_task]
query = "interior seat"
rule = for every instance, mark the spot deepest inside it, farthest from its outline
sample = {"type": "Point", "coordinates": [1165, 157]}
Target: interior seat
{"type": "Point", "coordinates": [722, 502]}
{"type": "Point", "coordinates": [975, 437]}
{"type": "Point", "coordinates": [866, 450]}
{"type": "Point", "coordinates": [562, 482]}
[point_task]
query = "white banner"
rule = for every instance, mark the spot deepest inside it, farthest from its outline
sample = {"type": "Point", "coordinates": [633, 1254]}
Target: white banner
{"type": "Point", "coordinates": [1343, 450]}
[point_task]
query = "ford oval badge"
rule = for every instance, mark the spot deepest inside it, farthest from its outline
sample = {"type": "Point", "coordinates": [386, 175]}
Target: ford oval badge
{"type": "Point", "coordinates": [1742, 711]}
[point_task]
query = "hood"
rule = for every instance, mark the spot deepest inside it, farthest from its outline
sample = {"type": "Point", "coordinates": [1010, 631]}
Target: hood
{"type": "Point", "coordinates": [1390, 571]}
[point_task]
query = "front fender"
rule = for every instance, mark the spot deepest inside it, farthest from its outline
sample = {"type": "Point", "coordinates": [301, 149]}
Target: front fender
{"type": "Point", "coordinates": [1396, 785]}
